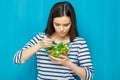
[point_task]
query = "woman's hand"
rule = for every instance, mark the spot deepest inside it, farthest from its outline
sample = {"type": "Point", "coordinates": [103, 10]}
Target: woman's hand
{"type": "Point", "coordinates": [46, 42]}
{"type": "Point", "coordinates": [63, 60]}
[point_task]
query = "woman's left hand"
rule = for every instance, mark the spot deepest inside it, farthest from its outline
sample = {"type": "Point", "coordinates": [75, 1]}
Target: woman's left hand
{"type": "Point", "coordinates": [63, 60]}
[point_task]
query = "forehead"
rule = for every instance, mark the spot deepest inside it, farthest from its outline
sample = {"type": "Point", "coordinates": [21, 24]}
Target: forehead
{"type": "Point", "coordinates": [61, 20]}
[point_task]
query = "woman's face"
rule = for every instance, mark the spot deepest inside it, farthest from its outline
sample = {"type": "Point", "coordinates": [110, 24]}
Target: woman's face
{"type": "Point", "coordinates": [62, 25]}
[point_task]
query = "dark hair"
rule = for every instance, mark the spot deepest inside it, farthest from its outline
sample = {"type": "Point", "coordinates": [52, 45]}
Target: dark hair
{"type": "Point", "coordinates": [62, 9]}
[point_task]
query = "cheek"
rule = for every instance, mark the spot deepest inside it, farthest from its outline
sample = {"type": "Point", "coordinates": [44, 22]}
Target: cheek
{"type": "Point", "coordinates": [67, 29]}
{"type": "Point", "coordinates": [56, 28]}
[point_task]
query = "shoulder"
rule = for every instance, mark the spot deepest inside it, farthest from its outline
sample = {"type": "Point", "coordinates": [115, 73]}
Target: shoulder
{"type": "Point", "coordinates": [41, 35]}
{"type": "Point", "coordinates": [79, 40]}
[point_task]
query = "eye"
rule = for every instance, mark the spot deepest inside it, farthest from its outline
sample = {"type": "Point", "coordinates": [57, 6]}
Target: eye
{"type": "Point", "coordinates": [56, 24]}
{"type": "Point", "coordinates": [66, 24]}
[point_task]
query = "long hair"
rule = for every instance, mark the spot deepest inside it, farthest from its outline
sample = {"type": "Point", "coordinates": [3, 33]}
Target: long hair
{"type": "Point", "coordinates": [62, 9]}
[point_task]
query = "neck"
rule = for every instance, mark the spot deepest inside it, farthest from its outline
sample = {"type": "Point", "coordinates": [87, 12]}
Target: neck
{"type": "Point", "coordinates": [58, 39]}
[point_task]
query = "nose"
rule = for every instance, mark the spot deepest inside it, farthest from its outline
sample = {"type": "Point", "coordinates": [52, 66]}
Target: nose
{"type": "Point", "coordinates": [61, 28]}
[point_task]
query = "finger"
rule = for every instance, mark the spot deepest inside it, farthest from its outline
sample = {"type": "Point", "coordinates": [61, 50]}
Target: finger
{"type": "Point", "coordinates": [46, 39]}
{"type": "Point", "coordinates": [50, 39]}
{"type": "Point", "coordinates": [56, 59]}
{"type": "Point", "coordinates": [47, 44]}
{"type": "Point", "coordinates": [53, 39]}
{"type": "Point", "coordinates": [53, 60]}
{"type": "Point", "coordinates": [62, 57]}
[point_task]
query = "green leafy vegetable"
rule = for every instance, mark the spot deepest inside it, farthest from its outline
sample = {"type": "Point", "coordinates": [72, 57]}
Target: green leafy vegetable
{"type": "Point", "coordinates": [59, 50]}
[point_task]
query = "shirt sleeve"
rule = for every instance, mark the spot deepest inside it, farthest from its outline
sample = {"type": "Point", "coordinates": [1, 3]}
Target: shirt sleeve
{"type": "Point", "coordinates": [33, 41]}
{"type": "Point", "coordinates": [85, 60]}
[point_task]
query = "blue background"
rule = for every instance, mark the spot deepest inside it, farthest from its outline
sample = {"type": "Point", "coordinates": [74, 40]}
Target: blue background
{"type": "Point", "coordinates": [98, 22]}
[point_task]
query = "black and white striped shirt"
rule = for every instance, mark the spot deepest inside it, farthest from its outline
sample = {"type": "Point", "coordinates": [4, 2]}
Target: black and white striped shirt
{"type": "Point", "coordinates": [47, 70]}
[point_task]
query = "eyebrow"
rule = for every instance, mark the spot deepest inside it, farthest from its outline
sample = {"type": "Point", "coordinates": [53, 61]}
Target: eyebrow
{"type": "Point", "coordinates": [62, 24]}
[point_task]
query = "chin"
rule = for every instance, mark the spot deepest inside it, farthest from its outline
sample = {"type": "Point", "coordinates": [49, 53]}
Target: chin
{"type": "Point", "coordinates": [62, 35]}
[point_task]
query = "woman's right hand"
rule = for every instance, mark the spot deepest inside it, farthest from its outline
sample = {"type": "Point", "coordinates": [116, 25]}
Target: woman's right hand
{"type": "Point", "coordinates": [46, 42]}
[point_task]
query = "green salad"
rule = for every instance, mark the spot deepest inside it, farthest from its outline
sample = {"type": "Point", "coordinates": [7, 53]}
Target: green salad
{"type": "Point", "coordinates": [58, 50]}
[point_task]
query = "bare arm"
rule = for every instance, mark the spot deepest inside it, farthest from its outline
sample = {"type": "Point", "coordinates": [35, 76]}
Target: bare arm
{"type": "Point", "coordinates": [80, 71]}
{"type": "Point", "coordinates": [30, 49]}
{"type": "Point", "coordinates": [27, 53]}
{"type": "Point", "coordinates": [85, 70]}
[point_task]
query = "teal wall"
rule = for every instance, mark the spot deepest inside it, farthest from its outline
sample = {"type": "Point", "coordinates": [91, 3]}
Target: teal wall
{"type": "Point", "coordinates": [98, 22]}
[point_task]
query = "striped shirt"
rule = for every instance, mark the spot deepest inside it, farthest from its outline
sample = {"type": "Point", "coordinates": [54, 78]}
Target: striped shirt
{"type": "Point", "coordinates": [47, 70]}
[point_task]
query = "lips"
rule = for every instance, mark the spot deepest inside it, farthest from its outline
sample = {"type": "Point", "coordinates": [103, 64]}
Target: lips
{"type": "Point", "coordinates": [61, 33]}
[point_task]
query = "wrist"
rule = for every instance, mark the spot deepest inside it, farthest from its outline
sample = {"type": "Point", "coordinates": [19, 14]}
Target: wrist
{"type": "Point", "coordinates": [40, 46]}
{"type": "Point", "coordinates": [69, 63]}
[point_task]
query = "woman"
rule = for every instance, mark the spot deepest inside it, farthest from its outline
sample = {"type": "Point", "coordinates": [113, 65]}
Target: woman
{"type": "Point", "coordinates": [61, 27]}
